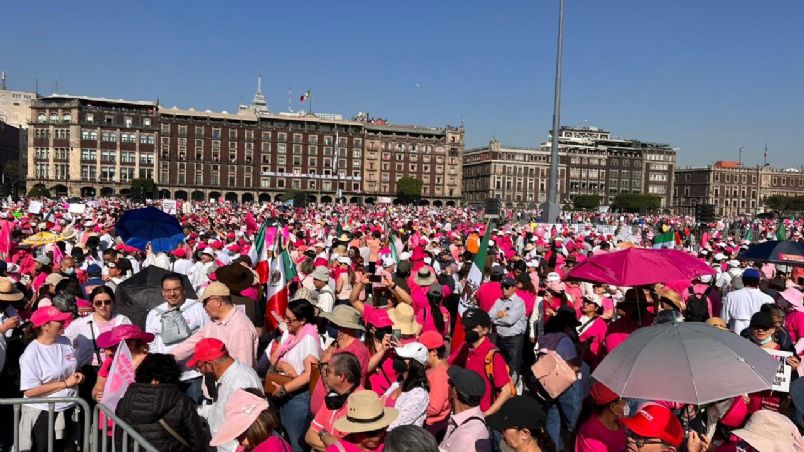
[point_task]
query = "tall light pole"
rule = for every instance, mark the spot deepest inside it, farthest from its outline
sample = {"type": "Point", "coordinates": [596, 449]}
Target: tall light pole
{"type": "Point", "coordinates": [551, 209]}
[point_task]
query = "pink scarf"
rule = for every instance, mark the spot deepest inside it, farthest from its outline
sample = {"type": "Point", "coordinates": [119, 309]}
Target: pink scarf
{"type": "Point", "coordinates": [307, 330]}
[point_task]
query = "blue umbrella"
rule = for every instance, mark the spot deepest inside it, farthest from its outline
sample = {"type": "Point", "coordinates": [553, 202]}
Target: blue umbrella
{"type": "Point", "coordinates": [786, 252]}
{"type": "Point", "coordinates": [139, 227]}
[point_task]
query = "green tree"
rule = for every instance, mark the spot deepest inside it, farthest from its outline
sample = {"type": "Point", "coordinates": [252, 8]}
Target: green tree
{"type": "Point", "coordinates": [143, 187]}
{"type": "Point", "coordinates": [781, 203]}
{"type": "Point", "coordinates": [291, 194]}
{"type": "Point", "coordinates": [636, 202]}
{"type": "Point", "coordinates": [584, 202]}
{"type": "Point", "coordinates": [409, 190]}
{"type": "Point", "coordinates": [38, 191]}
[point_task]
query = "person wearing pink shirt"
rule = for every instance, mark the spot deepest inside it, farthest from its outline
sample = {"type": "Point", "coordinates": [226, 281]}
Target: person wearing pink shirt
{"type": "Point", "coordinates": [793, 300]}
{"type": "Point", "coordinates": [592, 330]}
{"type": "Point", "coordinates": [603, 430]}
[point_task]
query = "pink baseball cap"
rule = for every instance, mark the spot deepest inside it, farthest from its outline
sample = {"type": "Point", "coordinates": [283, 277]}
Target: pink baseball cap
{"type": "Point", "coordinates": [378, 318]}
{"type": "Point", "coordinates": [121, 333]}
{"type": "Point", "coordinates": [49, 314]}
{"type": "Point", "coordinates": [242, 409]}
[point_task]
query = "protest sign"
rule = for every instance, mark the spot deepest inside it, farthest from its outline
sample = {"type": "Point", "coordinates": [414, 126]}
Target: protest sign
{"type": "Point", "coordinates": [781, 382]}
{"type": "Point", "coordinates": [77, 208]}
{"type": "Point", "coordinates": [35, 207]}
{"type": "Point", "coordinates": [169, 206]}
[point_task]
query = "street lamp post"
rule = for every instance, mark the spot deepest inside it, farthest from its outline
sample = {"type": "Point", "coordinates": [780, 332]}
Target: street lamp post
{"type": "Point", "coordinates": [551, 209]}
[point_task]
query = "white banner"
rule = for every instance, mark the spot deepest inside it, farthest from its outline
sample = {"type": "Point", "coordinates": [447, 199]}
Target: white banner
{"type": "Point", "coordinates": [77, 209]}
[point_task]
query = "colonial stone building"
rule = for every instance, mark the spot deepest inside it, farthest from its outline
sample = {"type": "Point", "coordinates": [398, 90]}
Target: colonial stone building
{"type": "Point", "coordinates": [591, 162]}
{"type": "Point", "coordinates": [732, 188]}
{"type": "Point", "coordinates": [82, 146]}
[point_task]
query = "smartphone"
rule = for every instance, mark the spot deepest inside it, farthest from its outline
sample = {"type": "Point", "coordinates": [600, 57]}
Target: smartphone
{"type": "Point", "coordinates": [397, 334]}
{"type": "Point", "coordinates": [375, 278]}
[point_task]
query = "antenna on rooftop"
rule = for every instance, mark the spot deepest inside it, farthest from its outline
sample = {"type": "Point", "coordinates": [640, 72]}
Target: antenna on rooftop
{"type": "Point", "coordinates": [3, 80]}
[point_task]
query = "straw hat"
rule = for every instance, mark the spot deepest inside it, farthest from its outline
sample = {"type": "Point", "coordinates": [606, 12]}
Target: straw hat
{"type": "Point", "coordinates": [8, 292]}
{"type": "Point", "coordinates": [306, 294]}
{"type": "Point", "coordinates": [424, 277]}
{"type": "Point", "coordinates": [770, 431]}
{"type": "Point", "coordinates": [344, 317]}
{"type": "Point", "coordinates": [365, 413]}
{"type": "Point", "coordinates": [404, 319]}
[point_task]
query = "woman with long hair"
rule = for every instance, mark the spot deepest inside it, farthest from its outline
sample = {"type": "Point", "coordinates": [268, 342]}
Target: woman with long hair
{"type": "Point", "coordinates": [298, 352]}
{"type": "Point", "coordinates": [411, 393]}
{"type": "Point", "coordinates": [84, 332]}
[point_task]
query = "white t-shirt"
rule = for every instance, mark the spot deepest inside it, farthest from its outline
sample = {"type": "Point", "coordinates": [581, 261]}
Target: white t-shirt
{"type": "Point", "coordinates": [309, 346]}
{"type": "Point", "coordinates": [41, 364]}
{"type": "Point", "coordinates": [81, 336]}
{"type": "Point", "coordinates": [195, 316]}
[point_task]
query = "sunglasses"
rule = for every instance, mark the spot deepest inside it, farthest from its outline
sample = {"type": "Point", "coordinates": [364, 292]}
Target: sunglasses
{"type": "Point", "coordinates": [107, 302]}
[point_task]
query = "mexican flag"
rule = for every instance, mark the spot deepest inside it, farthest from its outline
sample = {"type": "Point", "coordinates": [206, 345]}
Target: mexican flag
{"type": "Point", "coordinates": [472, 283]}
{"type": "Point", "coordinates": [259, 254]}
{"type": "Point", "coordinates": [747, 236]}
{"type": "Point", "coordinates": [665, 240]}
{"type": "Point", "coordinates": [306, 95]}
{"type": "Point", "coordinates": [392, 244]}
{"type": "Point", "coordinates": [283, 271]}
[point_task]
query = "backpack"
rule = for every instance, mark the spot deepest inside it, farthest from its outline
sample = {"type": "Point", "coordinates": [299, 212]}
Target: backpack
{"type": "Point", "coordinates": [488, 364]}
{"type": "Point", "coordinates": [697, 308]}
{"type": "Point", "coordinates": [174, 327]}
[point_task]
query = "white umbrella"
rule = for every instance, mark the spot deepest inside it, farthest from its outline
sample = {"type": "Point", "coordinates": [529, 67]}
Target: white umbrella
{"type": "Point", "coordinates": [688, 363]}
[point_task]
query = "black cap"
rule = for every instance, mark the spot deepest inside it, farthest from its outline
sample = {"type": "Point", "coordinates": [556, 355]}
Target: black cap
{"type": "Point", "coordinates": [476, 317]}
{"type": "Point", "coordinates": [468, 384]}
{"type": "Point", "coordinates": [518, 412]}
{"type": "Point", "coordinates": [497, 270]}
{"type": "Point", "coordinates": [509, 282]}
{"type": "Point", "coordinates": [761, 320]}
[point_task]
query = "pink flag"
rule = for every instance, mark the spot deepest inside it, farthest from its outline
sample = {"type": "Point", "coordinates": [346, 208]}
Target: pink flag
{"type": "Point", "coordinates": [57, 255]}
{"type": "Point", "coordinates": [251, 223]}
{"type": "Point", "coordinates": [704, 239]}
{"type": "Point", "coordinates": [121, 375]}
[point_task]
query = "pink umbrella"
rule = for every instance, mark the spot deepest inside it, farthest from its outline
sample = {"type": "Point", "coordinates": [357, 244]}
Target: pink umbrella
{"type": "Point", "coordinates": [639, 266]}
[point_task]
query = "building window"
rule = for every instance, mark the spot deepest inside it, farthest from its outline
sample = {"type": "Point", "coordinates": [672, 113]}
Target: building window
{"type": "Point", "coordinates": [146, 122]}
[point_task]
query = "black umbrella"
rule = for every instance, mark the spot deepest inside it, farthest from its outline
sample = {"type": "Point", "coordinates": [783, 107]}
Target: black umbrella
{"type": "Point", "coordinates": [785, 252]}
{"type": "Point", "coordinates": [143, 292]}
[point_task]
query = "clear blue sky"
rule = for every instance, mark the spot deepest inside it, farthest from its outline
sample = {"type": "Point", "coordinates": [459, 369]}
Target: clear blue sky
{"type": "Point", "coordinates": [705, 76]}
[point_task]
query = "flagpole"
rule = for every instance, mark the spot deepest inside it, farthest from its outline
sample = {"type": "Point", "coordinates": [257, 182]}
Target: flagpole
{"type": "Point", "coordinates": [310, 100]}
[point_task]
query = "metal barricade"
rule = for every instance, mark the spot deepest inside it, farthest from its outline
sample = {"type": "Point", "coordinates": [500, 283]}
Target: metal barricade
{"type": "Point", "coordinates": [101, 443]}
{"type": "Point", "coordinates": [51, 417]}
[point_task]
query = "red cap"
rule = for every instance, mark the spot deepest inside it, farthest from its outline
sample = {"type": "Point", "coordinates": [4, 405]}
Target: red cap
{"type": "Point", "coordinates": [207, 349]}
{"type": "Point", "coordinates": [601, 394]}
{"type": "Point", "coordinates": [656, 421]}
{"type": "Point", "coordinates": [230, 235]}
{"type": "Point", "coordinates": [235, 248]}
{"type": "Point", "coordinates": [431, 339]}
{"type": "Point", "coordinates": [49, 314]}
{"type": "Point", "coordinates": [216, 245]}
{"type": "Point", "coordinates": [179, 252]}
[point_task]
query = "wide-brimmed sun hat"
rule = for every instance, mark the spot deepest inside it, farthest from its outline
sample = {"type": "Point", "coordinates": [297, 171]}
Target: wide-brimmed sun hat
{"type": "Point", "coordinates": [121, 333]}
{"type": "Point", "coordinates": [344, 317]}
{"type": "Point", "coordinates": [242, 409]}
{"type": "Point", "coordinates": [365, 413]}
{"type": "Point", "coordinates": [8, 292]}
{"type": "Point", "coordinates": [404, 319]}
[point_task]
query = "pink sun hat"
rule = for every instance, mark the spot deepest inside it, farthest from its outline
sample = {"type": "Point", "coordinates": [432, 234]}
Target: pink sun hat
{"type": "Point", "coordinates": [122, 333]}
{"type": "Point", "coordinates": [242, 409]}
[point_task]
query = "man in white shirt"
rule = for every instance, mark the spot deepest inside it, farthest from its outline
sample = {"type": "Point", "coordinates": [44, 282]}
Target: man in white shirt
{"type": "Point", "coordinates": [326, 299]}
{"type": "Point", "coordinates": [740, 305]}
{"type": "Point", "coordinates": [193, 313]}
{"type": "Point", "coordinates": [212, 358]}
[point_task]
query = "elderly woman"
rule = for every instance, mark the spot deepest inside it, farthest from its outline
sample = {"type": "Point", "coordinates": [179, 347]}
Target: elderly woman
{"type": "Point", "coordinates": [48, 369]}
{"type": "Point", "coordinates": [762, 333]}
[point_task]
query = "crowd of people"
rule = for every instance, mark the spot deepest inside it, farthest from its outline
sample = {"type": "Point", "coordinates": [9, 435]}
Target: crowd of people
{"type": "Point", "coordinates": [384, 338]}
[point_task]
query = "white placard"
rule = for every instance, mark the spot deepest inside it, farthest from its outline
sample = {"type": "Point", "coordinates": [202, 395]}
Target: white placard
{"type": "Point", "coordinates": [169, 206]}
{"type": "Point", "coordinates": [781, 382]}
{"type": "Point", "coordinates": [77, 208]}
{"type": "Point", "coordinates": [35, 207]}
